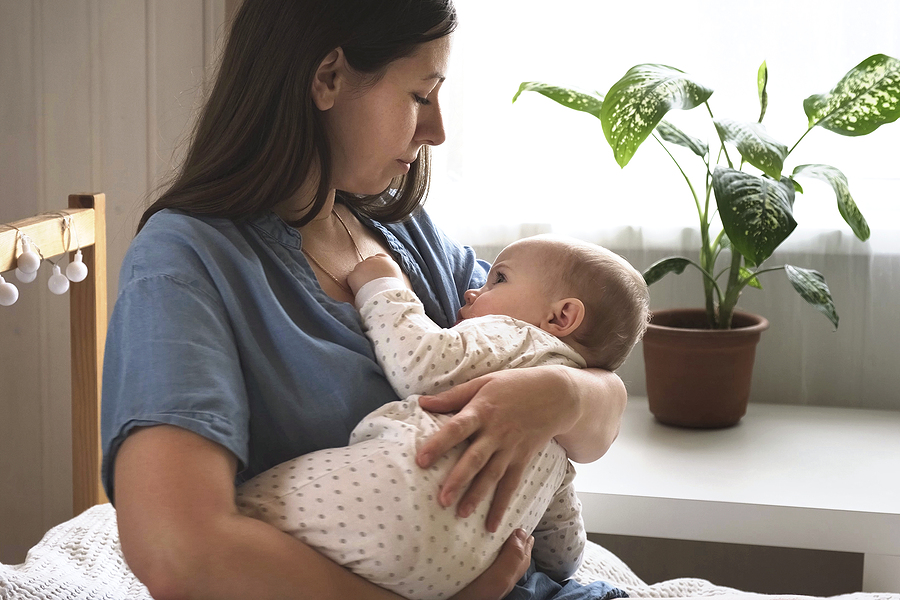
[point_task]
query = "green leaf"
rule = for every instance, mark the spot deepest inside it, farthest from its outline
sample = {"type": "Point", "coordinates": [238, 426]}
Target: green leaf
{"type": "Point", "coordinates": [841, 188]}
{"type": "Point", "coordinates": [755, 144]}
{"type": "Point", "coordinates": [811, 286]}
{"type": "Point", "coordinates": [748, 276]}
{"type": "Point", "coordinates": [866, 98]}
{"type": "Point", "coordinates": [574, 99]}
{"type": "Point", "coordinates": [636, 104]}
{"type": "Point", "coordinates": [755, 211]}
{"type": "Point", "coordinates": [672, 134]}
{"type": "Point", "coordinates": [659, 269]}
{"type": "Point", "coordinates": [762, 79]}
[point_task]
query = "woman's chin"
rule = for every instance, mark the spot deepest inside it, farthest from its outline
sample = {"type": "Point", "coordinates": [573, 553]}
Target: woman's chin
{"type": "Point", "coordinates": [368, 189]}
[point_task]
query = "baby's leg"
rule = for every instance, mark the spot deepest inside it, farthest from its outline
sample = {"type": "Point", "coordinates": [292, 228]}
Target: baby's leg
{"type": "Point", "coordinates": [370, 508]}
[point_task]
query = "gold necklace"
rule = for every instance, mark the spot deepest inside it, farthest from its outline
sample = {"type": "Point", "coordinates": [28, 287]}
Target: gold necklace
{"type": "Point", "coordinates": [341, 284]}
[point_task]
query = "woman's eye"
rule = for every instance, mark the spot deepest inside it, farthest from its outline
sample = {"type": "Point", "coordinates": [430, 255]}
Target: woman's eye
{"type": "Point", "coordinates": [421, 100]}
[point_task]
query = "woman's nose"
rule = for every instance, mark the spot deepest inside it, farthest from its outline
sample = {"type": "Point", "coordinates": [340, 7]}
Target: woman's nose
{"type": "Point", "coordinates": [431, 125]}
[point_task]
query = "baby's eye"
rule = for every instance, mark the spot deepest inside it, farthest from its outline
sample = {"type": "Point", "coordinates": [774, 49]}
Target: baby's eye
{"type": "Point", "coordinates": [499, 278]}
{"type": "Point", "coordinates": [421, 100]}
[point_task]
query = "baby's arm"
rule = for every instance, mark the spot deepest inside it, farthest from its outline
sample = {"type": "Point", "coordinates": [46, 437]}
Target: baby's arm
{"type": "Point", "coordinates": [417, 355]}
{"type": "Point", "coordinates": [559, 538]}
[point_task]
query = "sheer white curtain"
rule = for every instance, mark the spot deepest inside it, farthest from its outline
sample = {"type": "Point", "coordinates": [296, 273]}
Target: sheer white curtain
{"type": "Point", "coordinates": [508, 170]}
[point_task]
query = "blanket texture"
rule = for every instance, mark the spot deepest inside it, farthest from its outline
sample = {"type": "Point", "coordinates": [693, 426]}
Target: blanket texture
{"type": "Point", "coordinates": [81, 560]}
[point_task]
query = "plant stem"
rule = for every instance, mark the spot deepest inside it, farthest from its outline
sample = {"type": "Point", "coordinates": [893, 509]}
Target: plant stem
{"type": "Point", "coordinates": [798, 141]}
{"type": "Point", "coordinates": [683, 174]}
{"type": "Point", "coordinates": [721, 139]}
{"type": "Point", "coordinates": [707, 277]}
{"type": "Point", "coordinates": [732, 291]}
{"type": "Point", "coordinates": [761, 271]}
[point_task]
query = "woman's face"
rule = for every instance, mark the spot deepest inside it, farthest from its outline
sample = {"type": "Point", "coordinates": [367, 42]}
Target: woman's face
{"type": "Point", "coordinates": [377, 130]}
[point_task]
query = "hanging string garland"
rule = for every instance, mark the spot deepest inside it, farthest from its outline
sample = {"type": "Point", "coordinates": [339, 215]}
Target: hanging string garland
{"type": "Point", "coordinates": [29, 261]}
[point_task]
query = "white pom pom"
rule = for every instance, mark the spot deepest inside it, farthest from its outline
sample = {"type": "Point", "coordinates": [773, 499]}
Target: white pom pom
{"type": "Point", "coordinates": [58, 283]}
{"type": "Point", "coordinates": [25, 277]}
{"type": "Point", "coordinates": [77, 270]}
{"type": "Point", "coordinates": [8, 293]}
{"type": "Point", "coordinates": [29, 260]}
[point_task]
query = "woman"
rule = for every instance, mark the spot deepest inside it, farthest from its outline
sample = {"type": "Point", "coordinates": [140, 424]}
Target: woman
{"type": "Point", "coordinates": [233, 345]}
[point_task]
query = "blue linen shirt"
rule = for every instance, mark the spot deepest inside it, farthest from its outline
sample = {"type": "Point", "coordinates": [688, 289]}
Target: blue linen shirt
{"type": "Point", "coordinates": [220, 327]}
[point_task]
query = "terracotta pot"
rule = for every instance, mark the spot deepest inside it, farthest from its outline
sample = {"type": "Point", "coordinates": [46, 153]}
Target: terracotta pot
{"type": "Point", "coordinates": [699, 377]}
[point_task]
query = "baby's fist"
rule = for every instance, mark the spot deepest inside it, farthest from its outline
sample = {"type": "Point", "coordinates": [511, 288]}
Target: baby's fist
{"type": "Point", "coordinates": [374, 267]}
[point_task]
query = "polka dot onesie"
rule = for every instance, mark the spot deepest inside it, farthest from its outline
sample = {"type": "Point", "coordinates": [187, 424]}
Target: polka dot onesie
{"type": "Point", "coordinates": [370, 508]}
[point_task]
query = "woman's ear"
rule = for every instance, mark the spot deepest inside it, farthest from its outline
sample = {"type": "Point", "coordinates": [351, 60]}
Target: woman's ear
{"type": "Point", "coordinates": [566, 316]}
{"type": "Point", "coordinates": [328, 79]}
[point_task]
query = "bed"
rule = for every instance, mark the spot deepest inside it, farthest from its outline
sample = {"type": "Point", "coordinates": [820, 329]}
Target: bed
{"type": "Point", "coordinates": [81, 558]}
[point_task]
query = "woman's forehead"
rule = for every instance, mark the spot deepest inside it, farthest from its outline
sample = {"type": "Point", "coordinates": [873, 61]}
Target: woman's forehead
{"type": "Point", "coordinates": [428, 63]}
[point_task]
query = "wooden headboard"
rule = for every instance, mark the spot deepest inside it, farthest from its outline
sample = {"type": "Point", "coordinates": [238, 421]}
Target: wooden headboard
{"type": "Point", "coordinates": [88, 318]}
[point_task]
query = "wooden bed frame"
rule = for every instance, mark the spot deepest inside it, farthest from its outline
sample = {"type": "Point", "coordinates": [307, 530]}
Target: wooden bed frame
{"type": "Point", "coordinates": [88, 318]}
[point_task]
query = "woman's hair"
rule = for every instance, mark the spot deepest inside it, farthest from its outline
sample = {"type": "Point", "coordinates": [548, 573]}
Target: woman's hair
{"type": "Point", "coordinates": [259, 137]}
{"type": "Point", "coordinates": [615, 297]}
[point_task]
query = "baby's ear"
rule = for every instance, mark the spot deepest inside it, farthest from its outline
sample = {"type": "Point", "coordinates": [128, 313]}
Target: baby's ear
{"type": "Point", "coordinates": [566, 316]}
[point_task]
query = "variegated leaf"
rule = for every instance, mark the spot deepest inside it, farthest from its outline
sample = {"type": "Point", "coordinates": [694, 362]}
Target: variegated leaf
{"type": "Point", "coordinates": [866, 98]}
{"type": "Point", "coordinates": [752, 281]}
{"type": "Point", "coordinates": [673, 135]}
{"type": "Point", "coordinates": [661, 268]}
{"type": "Point", "coordinates": [811, 286]}
{"type": "Point", "coordinates": [755, 211]}
{"type": "Point", "coordinates": [636, 104]}
{"type": "Point", "coordinates": [755, 144]}
{"type": "Point", "coordinates": [762, 80]}
{"type": "Point", "coordinates": [574, 99]}
{"type": "Point", "coordinates": [841, 188]}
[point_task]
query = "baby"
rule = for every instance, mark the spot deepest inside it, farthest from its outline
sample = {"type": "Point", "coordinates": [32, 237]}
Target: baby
{"type": "Point", "coordinates": [369, 507]}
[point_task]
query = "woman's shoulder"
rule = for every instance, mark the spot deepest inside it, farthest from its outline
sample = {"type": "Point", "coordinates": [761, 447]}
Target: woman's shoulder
{"type": "Point", "coordinates": [184, 246]}
{"type": "Point", "coordinates": [177, 225]}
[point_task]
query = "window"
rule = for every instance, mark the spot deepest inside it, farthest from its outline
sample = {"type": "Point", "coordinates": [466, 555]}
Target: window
{"type": "Point", "coordinates": [538, 165]}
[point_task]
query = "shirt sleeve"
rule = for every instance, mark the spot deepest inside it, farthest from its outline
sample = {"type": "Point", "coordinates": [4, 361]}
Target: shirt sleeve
{"type": "Point", "coordinates": [420, 357]}
{"type": "Point", "coordinates": [560, 538]}
{"type": "Point", "coordinates": [171, 358]}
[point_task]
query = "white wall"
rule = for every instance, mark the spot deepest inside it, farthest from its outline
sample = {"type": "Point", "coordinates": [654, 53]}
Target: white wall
{"type": "Point", "coordinates": [95, 96]}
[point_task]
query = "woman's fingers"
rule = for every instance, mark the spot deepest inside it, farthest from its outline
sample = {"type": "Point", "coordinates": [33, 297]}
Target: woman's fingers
{"type": "Point", "coordinates": [457, 430]}
{"type": "Point", "coordinates": [480, 482]}
{"type": "Point", "coordinates": [503, 495]}
{"type": "Point", "coordinates": [515, 555]}
{"type": "Point", "coordinates": [498, 580]}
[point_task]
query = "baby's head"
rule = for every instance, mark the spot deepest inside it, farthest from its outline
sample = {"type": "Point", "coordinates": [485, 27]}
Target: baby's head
{"type": "Point", "coordinates": [589, 297]}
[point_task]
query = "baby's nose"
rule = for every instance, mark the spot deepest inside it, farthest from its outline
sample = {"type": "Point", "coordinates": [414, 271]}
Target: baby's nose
{"type": "Point", "coordinates": [470, 296]}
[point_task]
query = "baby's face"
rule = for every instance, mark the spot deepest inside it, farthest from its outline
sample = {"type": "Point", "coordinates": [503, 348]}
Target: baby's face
{"type": "Point", "coordinates": [515, 287]}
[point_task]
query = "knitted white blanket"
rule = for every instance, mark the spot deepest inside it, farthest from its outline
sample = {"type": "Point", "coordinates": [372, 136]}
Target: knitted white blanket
{"type": "Point", "coordinates": [81, 560]}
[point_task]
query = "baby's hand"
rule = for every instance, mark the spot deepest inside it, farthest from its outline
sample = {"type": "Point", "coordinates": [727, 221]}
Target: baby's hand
{"type": "Point", "coordinates": [374, 267]}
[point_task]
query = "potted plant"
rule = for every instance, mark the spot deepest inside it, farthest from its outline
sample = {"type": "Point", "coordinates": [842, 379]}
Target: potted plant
{"type": "Point", "coordinates": [750, 216]}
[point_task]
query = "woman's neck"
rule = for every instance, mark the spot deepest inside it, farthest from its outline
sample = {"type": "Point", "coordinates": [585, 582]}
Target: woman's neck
{"type": "Point", "coordinates": [299, 205]}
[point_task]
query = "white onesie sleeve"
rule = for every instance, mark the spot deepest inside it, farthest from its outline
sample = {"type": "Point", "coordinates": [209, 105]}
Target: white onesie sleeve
{"type": "Point", "coordinates": [420, 357]}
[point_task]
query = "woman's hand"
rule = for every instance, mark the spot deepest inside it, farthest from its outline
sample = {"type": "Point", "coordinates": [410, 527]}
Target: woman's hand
{"type": "Point", "coordinates": [507, 417]}
{"type": "Point", "coordinates": [500, 578]}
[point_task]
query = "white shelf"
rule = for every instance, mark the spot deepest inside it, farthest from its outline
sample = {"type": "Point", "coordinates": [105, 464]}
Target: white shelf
{"type": "Point", "coordinates": [792, 476]}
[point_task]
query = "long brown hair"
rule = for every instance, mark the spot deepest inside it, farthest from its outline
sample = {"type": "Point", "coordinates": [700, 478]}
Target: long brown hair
{"type": "Point", "coordinates": [259, 134]}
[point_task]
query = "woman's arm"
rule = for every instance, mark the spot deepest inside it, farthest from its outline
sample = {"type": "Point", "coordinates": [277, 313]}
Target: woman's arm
{"type": "Point", "coordinates": [598, 400]}
{"type": "Point", "coordinates": [508, 416]}
{"type": "Point", "coordinates": [183, 537]}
